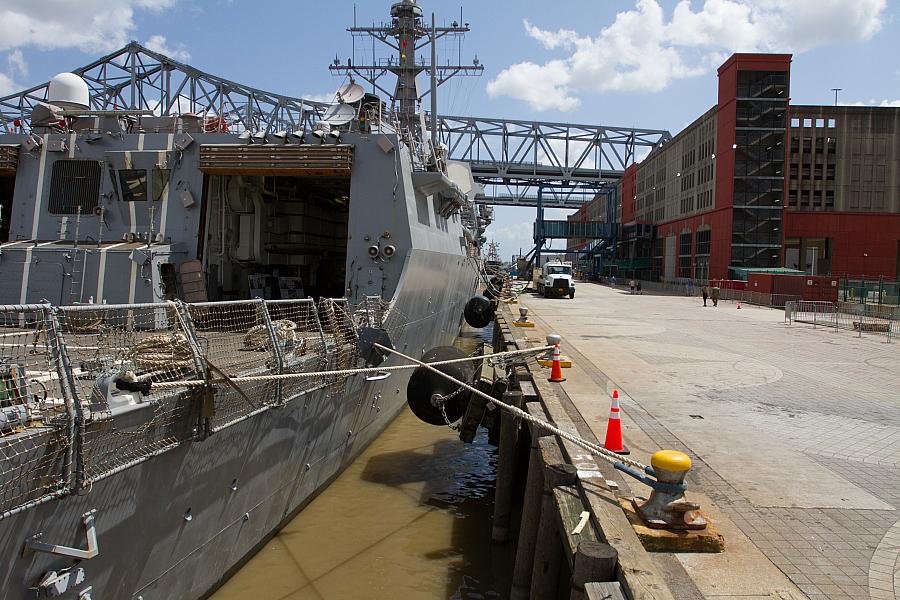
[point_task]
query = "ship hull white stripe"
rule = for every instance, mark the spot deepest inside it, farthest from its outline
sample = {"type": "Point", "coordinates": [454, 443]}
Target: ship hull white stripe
{"type": "Point", "coordinates": [164, 210]}
{"type": "Point", "coordinates": [133, 282]}
{"type": "Point", "coordinates": [38, 191]}
{"type": "Point", "coordinates": [26, 271]}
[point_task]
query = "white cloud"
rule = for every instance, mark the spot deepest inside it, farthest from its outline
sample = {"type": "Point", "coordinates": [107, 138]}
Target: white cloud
{"type": "Point", "coordinates": [542, 86]}
{"type": "Point", "coordinates": [17, 64]}
{"type": "Point", "coordinates": [7, 85]}
{"type": "Point", "coordinates": [89, 25]}
{"type": "Point", "coordinates": [15, 67]}
{"type": "Point", "coordinates": [158, 43]}
{"type": "Point", "coordinates": [644, 49]}
{"type": "Point", "coordinates": [873, 102]}
{"type": "Point", "coordinates": [327, 97]}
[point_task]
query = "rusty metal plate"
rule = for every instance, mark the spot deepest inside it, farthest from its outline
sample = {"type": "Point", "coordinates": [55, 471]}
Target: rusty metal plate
{"type": "Point", "coordinates": [9, 159]}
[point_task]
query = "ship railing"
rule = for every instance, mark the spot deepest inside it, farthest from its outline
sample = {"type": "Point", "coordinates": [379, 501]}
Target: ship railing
{"type": "Point", "coordinates": [37, 414]}
{"type": "Point", "coordinates": [66, 424]}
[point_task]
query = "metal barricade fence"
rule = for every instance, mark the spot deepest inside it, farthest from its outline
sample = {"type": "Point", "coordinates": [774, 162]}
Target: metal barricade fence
{"type": "Point", "coordinates": [859, 318]}
{"type": "Point", "coordinates": [65, 422]}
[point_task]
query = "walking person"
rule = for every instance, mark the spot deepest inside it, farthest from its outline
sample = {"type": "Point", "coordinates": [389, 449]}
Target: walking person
{"type": "Point", "coordinates": [704, 291]}
{"type": "Point", "coordinates": [690, 287]}
{"type": "Point", "coordinates": [612, 281]}
{"type": "Point", "coordinates": [631, 286]}
{"type": "Point", "coordinates": [639, 287]}
{"type": "Point", "coordinates": [714, 294]}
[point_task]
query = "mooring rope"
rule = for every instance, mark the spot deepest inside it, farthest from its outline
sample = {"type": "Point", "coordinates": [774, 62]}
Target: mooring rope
{"type": "Point", "coordinates": [345, 372]}
{"type": "Point", "coordinates": [595, 449]}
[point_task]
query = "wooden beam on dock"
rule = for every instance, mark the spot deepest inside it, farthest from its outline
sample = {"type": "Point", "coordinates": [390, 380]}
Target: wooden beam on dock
{"type": "Point", "coordinates": [506, 468]}
{"type": "Point", "coordinates": [604, 591]}
{"type": "Point", "coordinates": [548, 548]}
{"type": "Point", "coordinates": [636, 573]}
{"type": "Point", "coordinates": [568, 513]}
{"type": "Point", "coordinates": [594, 562]}
{"type": "Point", "coordinates": [531, 509]}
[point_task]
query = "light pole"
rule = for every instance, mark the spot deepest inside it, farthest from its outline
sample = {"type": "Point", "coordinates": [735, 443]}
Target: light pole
{"type": "Point", "coordinates": [865, 291]}
{"type": "Point", "coordinates": [836, 90]}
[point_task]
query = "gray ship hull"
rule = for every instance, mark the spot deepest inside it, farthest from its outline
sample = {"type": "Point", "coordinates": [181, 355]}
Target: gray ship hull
{"type": "Point", "coordinates": [175, 525]}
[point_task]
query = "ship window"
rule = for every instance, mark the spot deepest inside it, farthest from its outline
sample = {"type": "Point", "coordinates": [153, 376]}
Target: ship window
{"type": "Point", "coordinates": [74, 184]}
{"type": "Point", "coordinates": [159, 180]}
{"type": "Point", "coordinates": [134, 184]}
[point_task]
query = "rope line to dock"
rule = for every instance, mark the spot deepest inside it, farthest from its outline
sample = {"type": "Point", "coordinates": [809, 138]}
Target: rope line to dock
{"type": "Point", "coordinates": [346, 372]}
{"type": "Point", "coordinates": [595, 449]}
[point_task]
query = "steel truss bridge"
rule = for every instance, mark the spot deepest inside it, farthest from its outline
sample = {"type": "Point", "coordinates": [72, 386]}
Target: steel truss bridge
{"type": "Point", "coordinates": [513, 159]}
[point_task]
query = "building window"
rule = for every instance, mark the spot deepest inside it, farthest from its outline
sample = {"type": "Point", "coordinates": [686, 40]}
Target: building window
{"type": "Point", "coordinates": [832, 123]}
{"type": "Point", "coordinates": [795, 122]}
{"type": "Point", "coordinates": [820, 122]}
{"type": "Point", "coordinates": [74, 187]}
{"type": "Point", "coordinates": [807, 122]}
{"type": "Point", "coordinates": [684, 254]}
{"type": "Point", "coordinates": [703, 241]}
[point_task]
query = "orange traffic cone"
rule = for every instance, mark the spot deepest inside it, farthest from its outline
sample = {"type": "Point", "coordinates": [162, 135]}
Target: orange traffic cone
{"type": "Point", "coordinates": [555, 368]}
{"type": "Point", "coordinates": [739, 305]}
{"type": "Point", "coordinates": [614, 440]}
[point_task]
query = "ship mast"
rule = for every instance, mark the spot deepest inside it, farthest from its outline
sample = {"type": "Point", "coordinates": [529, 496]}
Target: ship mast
{"type": "Point", "coordinates": [406, 35]}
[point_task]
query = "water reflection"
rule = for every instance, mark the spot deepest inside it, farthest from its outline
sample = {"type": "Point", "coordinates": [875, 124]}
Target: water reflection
{"type": "Point", "coordinates": [410, 518]}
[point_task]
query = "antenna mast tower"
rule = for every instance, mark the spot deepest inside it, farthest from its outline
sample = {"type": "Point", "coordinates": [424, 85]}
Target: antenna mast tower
{"type": "Point", "coordinates": [407, 34]}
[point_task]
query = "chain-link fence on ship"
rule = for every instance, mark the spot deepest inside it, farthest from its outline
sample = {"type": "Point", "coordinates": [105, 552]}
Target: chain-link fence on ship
{"type": "Point", "coordinates": [66, 421]}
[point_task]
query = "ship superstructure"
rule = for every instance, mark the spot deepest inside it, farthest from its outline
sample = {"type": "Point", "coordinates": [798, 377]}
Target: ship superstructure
{"type": "Point", "coordinates": [179, 290]}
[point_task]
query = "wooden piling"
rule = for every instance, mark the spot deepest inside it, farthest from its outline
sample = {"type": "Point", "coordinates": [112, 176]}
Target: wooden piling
{"type": "Point", "coordinates": [548, 548]}
{"type": "Point", "coordinates": [531, 513]}
{"type": "Point", "coordinates": [506, 468]}
{"type": "Point", "coordinates": [594, 561]}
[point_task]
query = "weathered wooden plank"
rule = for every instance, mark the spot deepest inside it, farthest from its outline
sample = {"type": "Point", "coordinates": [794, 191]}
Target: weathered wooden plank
{"type": "Point", "coordinates": [506, 468]}
{"type": "Point", "coordinates": [548, 549]}
{"type": "Point", "coordinates": [531, 512]}
{"type": "Point", "coordinates": [604, 591]}
{"type": "Point", "coordinates": [568, 515]}
{"type": "Point", "coordinates": [474, 412]}
{"type": "Point", "coordinates": [529, 392]}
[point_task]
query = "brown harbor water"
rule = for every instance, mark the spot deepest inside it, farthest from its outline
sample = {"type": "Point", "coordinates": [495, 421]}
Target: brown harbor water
{"type": "Point", "coordinates": [410, 518]}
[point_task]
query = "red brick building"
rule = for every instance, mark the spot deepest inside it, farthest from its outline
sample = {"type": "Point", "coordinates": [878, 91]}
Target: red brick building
{"type": "Point", "coordinates": [757, 183]}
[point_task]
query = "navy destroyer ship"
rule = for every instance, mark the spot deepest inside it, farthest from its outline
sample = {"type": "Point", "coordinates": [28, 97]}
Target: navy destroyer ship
{"type": "Point", "coordinates": [180, 284]}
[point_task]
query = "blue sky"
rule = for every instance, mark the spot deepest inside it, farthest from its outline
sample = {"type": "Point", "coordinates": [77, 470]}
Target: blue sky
{"type": "Point", "coordinates": [645, 63]}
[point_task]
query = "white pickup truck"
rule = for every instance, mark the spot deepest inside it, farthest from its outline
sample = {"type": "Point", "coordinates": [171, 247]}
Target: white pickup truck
{"type": "Point", "coordinates": [556, 279]}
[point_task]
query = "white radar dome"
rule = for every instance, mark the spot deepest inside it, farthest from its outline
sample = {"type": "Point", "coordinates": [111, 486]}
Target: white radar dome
{"type": "Point", "coordinates": [68, 90]}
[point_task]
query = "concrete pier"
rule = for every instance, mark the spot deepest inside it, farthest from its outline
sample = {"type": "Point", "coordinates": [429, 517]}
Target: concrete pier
{"type": "Point", "coordinates": [794, 433]}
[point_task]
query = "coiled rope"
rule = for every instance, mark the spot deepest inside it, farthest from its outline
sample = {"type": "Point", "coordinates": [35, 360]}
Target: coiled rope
{"type": "Point", "coordinates": [162, 351]}
{"type": "Point", "coordinates": [257, 337]}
